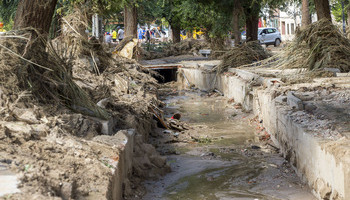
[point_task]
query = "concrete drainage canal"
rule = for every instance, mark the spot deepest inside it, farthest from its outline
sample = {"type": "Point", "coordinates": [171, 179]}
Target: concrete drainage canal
{"type": "Point", "coordinates": [214, 153]}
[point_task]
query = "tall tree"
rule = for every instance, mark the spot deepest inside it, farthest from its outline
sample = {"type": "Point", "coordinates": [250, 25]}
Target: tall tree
{"type": "Point", "coordinates": [237, 13]}
{"type": "Point", "coordinates": [130, 20]}
{"type": "Point", "coordinates": [348, 14]}
{"type": "Point", "coordinates": [36, 14]}
{"type": "Point", "coordinates": [323, 9]}
{"type": "Point", "coordinates": [252, 11]}
{"type": "Point", "coordinates": [306, 20]}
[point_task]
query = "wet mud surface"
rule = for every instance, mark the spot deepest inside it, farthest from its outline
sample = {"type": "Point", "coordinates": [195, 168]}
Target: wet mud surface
{"type": "Point", "coordinates": [219, 156]}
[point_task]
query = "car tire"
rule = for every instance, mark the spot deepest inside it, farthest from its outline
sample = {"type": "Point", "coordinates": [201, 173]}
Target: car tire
{"type": "Point", "coordinates": [277, 42]}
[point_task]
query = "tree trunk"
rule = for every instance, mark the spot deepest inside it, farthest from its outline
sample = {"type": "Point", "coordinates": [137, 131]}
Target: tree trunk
{"type": "Point", "coordinates": [252, 24]}
{"type": "Point", "coordinates": [235, 25]}
{"type": "Point", "coordinates": [130, 20]}
{"type": "Point", "coordinates": [36, 14]}
{"type": "Point", "coordinates": [306, 20]}
{"type": "Point", "coordinates": [323, 10]}
{"type": "Point", "coordinates": [235, 22]}
{"type": "Point", "coordinates": [236, 32]}
{"type": "Point", "coordinates": [176, 34]}
{"type": "Point", "coordinates": [348, 11]}
{"type": "Point", "coordinates": [251, 10]}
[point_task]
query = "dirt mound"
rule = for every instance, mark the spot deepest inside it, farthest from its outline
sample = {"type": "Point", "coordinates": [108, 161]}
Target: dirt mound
{"type": "Point", "coordinates": [246, 54]}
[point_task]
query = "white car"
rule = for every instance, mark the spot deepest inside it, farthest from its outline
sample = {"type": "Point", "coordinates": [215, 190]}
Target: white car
{"type": "Point", "coordinates": [268, 36]}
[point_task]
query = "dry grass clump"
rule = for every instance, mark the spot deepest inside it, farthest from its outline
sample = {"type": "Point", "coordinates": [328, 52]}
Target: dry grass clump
{"type": "Point", "coordinates": [245, 54]}
{"type": "Point", "coordinates": [327, 47]}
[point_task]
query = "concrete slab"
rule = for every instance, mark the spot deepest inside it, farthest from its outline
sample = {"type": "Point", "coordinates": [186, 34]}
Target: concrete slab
{"type": "Point", "coordinates": [294, 102]}
{"type": "Point", "coordinates": [8, 182]}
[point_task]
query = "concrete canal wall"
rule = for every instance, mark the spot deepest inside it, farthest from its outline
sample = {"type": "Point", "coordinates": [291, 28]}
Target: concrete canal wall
{"type": "Point", "coordinates": [322, 160]}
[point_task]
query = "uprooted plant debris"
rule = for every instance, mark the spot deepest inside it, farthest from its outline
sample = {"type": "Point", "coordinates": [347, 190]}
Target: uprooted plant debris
{"type": "Point", "coordinates": [189, 46]}
{"type": "Point", "coordinates": [327, 47]}
{"type": "Point", "coordinates": [245, 54]}
{"type": "Point", "coordinates": [317, 51]}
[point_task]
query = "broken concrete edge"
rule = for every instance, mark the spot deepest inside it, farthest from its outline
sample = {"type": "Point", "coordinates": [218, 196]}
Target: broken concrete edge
{"type": "Point", "coordinates": [315, 161]}
{"type": "Point", "coordinates": [123, 170]}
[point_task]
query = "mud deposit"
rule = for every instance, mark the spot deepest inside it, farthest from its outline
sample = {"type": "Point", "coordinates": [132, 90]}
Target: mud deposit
{"type": "Point", "coordinates": [219, 156]}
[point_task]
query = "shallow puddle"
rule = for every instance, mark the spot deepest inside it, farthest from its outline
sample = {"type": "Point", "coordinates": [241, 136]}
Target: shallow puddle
{"type": "Point", "coordinates": [229, 164]}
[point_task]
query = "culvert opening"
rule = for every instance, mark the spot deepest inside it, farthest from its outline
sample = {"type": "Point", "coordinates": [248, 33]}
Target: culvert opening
{"type": "Point", "coordinates": [167, 73]}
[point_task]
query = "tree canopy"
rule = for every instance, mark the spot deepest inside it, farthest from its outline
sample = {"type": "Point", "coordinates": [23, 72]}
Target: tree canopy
{"type": "Point", "coordinates": [215, 17]}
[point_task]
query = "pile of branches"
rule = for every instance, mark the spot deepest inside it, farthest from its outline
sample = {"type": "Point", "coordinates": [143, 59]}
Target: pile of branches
{"type": "Point", "coordinates": [326, 46]}
{"type": "Point", "coordinates": [321, 45]}
{"type": "Point", "coordinates": [74, 39]}
{"type": "Point", "coordinates": [247, 53]}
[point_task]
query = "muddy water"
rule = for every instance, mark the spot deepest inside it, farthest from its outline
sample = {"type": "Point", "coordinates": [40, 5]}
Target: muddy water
{"type": "Point", "coordinates": [224, 161]}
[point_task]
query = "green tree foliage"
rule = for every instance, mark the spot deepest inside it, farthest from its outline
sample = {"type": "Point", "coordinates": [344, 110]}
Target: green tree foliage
{"type": "Point", "coordinates": [336, 8]}
{"type": "Point", "coordinates": [7, 12]}
{"type": "Point", "coordinates": [214, 17]}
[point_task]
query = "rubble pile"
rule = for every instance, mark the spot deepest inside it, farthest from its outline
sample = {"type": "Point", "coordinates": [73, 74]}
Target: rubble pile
{"type": "Point", "coordinates": [322, 111]}
{"type": "Point", "coordinates": [53, 103]}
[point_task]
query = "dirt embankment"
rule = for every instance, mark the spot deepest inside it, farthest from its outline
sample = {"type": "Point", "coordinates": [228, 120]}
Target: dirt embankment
{"type": "Point", "coordinates": [57, 152]}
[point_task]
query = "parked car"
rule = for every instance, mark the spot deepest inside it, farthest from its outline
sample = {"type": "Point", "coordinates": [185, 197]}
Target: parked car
{"type": "Point", "coordinates": [268, 36]}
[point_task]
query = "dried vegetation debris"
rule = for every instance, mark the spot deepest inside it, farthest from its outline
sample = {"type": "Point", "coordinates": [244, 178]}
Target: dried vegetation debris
{"type": "Point", "coordinates": [245, 54]}
{"type": "Point", "coordinates": [189, 46]}
{"type": "Point", "coordinates": [53, 148]}
{"type": "Point", "coordinates": [317, 51]}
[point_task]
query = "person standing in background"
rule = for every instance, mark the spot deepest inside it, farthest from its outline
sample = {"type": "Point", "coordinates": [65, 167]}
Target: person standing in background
{"type": "Point", "coordinates": [114, 35]}
{"type": "Point", "coordinates": [108, 38]}
{"type": "Point", "coordinates": [120, 34]}
{"type": "Point", "coordinates": [140, 35]}
{"type": "Point", "coordinates": [148, 36]}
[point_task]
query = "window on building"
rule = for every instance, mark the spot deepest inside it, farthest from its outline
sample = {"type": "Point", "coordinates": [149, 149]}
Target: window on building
{"type": "Point", "coordinates": [283, 28]}
{"type": "Point", "coordinates": [287, 29]}
{"type": "Point", "coordinates": [292, 29]}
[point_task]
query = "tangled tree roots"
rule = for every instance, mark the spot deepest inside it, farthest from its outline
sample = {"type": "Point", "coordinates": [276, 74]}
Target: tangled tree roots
{"type": "Point", "coordinates": [33, 65]}
{"type": "Point", "coordinates": [246, 54]}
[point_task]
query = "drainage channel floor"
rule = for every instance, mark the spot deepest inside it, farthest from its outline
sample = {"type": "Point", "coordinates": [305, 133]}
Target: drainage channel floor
{"type": "Point", "coordinates": [219, 156]}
